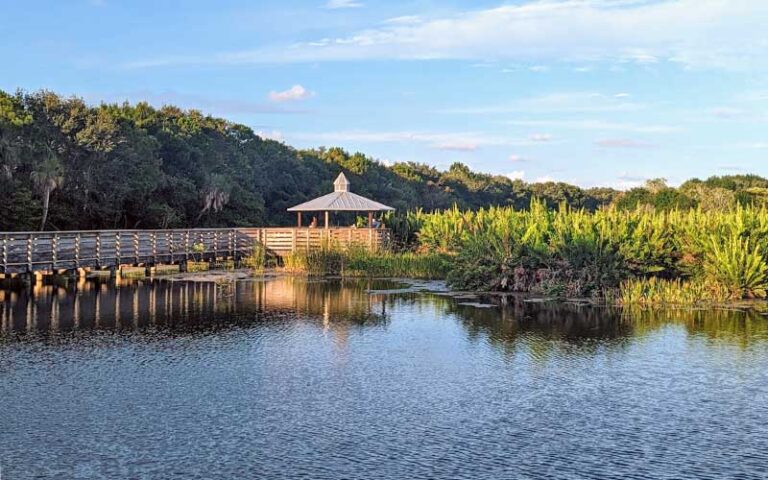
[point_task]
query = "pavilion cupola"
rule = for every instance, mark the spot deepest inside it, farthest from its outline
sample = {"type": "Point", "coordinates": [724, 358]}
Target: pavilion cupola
{"type": "Point", "coordinates": [341, 184]}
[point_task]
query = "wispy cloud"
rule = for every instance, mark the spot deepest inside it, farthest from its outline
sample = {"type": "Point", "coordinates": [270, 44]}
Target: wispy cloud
{"type": "Point", "coordinates": [515, 158]}
{"type": "Point", "coordinates": [337, 4]}
{"type": "Point", "coordinates": [732, 168]}
{"type": "Point", "coordinates": [457, 146]}
{"type": "Point", "coordinates": [694, 33]}
{"type": "Point", "coordinates": [729, 112]}
{"type": "Point", "coordinates": [556, 102]}
{"type": "Point", "coordinates": [540, 137]}
{"type": "Point", "coordinates": [626, 181]}
{"type": "Point", "coordinates": [296, 92]}
{"type": "Point", "coordinates": [622, 143]}
{"type": "Point", "coordinates": [597, 125]}
{"type": "Point", "coordinates": [456, 141]}
{"type": "Point", "coordinates": [515, 175]}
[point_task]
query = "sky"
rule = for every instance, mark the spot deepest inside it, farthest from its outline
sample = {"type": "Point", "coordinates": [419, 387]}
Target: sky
{"type": "Point", "coordinates": [591, 92]}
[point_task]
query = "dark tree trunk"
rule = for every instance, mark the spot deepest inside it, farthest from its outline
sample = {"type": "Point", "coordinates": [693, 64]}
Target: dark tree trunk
{"type": "Point", "coordinates": [46, 200]}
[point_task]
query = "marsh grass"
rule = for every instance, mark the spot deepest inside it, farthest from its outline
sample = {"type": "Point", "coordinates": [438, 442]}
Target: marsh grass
{"type": "Point", "coordinates": [678, 256]}
{"type": "Point", "coordinates": [359, 261]}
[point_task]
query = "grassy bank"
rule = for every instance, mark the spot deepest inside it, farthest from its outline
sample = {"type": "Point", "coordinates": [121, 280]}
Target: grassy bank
{"type": "Point", "coordinates": [360, 262]}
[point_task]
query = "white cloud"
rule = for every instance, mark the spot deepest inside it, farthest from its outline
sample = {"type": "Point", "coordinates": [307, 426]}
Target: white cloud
{"type": "Point", "coordinates": [517, 158]}
{"type": "Point", "coordinates": [729, 112]}
{"type": "Point", "coordinates": [598, 125]}
{"type": "Point", "coordinates": [275, 135]}
{"type": "Point", "coordinates": [693, 33]}
{"type": "Point", "coordinates": [404, 20]}
{"type": "Point", "coordinates": [457, 146]}
{"type": "Point", "coordinates": [627, 181]}
{"type": "Point", "coordinates": [515, 175]}
{"type": "Point", "coordinates": [753, 145]}
{"type": "Point", "coordinates": [540, 137]}
{"type": "Point", "coordinates": [622, 143]}
{"type": "Point", "coordinates": [556, 102]}
{"type": "Point", "coordinates": [462, 141]}
{"type": "Point", "coordinates": [337, 4]}
{"type": "Point", "coordinates": [296, 92]}
{"type": "Point", "coordinates": [732, 168]}
{"type": "Point", "coordinates": [539, 68]}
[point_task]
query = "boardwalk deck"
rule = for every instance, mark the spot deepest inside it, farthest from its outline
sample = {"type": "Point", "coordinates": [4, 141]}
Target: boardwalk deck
{"type": "Point", "coordinates": [27, 252]}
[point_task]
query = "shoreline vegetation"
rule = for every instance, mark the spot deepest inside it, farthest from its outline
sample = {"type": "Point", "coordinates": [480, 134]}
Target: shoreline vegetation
{"type": "Point", "coordinates": [639, 257]}
{"type": "Point", "coordinates": [626, 257]}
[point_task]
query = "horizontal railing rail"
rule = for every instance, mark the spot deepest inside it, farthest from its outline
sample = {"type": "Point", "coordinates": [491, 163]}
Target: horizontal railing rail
{"type": "Point", "coordinates": [27, 252]}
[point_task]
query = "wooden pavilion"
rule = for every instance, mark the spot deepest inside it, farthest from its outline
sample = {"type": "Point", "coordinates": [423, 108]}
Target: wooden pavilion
{"type": "Point", "coordinates": [341, 200]}
{"type": "Point", "coordinates": [284, 240]}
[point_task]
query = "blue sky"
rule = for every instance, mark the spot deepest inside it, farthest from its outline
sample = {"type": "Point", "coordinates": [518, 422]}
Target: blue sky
{"type": "Point", "coordinates": [593, 92]}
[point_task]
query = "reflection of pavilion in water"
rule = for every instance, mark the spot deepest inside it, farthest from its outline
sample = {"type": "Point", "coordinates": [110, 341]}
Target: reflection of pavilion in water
{"type": "Point", "coordinates": [91, 304]}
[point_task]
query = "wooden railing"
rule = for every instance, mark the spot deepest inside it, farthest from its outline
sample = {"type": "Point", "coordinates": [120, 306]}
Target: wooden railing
{"type": "Point", "coordinates": [289, 239]}
{"type": "Point", "coordinates": [27, 252]}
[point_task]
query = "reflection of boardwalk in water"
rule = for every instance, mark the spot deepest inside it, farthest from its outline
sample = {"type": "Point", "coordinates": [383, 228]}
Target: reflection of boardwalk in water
{"type": "Point", "coordinates": [91, 304]}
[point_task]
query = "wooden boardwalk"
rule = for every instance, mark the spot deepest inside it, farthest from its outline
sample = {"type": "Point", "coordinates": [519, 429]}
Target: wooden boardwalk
{"type": "Point", "coordinates": [28, 252]}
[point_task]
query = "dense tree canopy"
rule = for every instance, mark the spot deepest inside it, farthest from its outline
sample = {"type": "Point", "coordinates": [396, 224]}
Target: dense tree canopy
{"type": "Point", "coordinates": [76, 166]}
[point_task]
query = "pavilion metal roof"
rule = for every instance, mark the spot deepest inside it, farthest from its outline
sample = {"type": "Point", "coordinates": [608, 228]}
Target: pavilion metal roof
{"type": "Point", "coordinates": [341, 200]}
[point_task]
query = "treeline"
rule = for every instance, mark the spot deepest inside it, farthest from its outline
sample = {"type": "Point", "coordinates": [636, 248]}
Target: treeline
{"type": "Point", "coordinates": [67, 165]}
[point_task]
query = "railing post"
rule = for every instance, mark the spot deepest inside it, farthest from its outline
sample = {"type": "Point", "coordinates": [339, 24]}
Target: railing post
{"type": "Point", "coordinates": [54, 250]}
{"type": "Point", "coordinates": [98, 250]}
{"type": "Point", "coordinates": [5, 253]}
{"type": "Point", "coordinates": [117, 249]}
{"type": "Point", "coordinates": [153, 238]}
{"type": "Point", "coordinates": [136, 247]}
{"type": "Point", "coordinates": [77, 251]}
{"type": "Point", "coordinates": [215, 244]}
{"type": "Point", "coordinates": [30, 249]}
{"type": "Point", "coordinates": [169, 241]}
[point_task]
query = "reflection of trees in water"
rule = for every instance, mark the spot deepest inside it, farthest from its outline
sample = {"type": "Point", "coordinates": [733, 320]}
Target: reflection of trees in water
{"type": "Point", "coordinates": [737, 326]}
{"type": "Point", "coordinates": [545, 327]}
{"type": "Point", "coordinates": [179, 306]}
{"type": "Point", "coordinates": [339, 306]}
{"type": "Point", "coordinates": [549, 326]}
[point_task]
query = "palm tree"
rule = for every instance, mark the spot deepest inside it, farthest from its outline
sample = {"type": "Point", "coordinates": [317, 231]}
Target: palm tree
{"type": "Point", "coordinates": [47, 177]}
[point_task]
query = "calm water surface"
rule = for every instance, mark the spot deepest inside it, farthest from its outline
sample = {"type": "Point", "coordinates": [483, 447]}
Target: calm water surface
{"type": "Point", "coordinates": [288, 379]}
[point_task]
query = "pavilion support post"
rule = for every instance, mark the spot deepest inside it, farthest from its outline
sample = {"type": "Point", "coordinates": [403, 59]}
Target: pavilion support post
{"type": "Point", "coordinates": [326, 220]}
{"type": "Point", "coordinates": [298, 216]}
{"type": "Point", "coordinates": [370, 219]}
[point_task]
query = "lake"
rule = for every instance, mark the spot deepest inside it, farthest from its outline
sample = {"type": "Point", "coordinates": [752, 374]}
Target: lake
{"type": "Point", "coordinates": [291, 378]}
